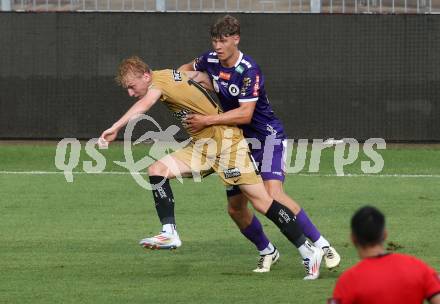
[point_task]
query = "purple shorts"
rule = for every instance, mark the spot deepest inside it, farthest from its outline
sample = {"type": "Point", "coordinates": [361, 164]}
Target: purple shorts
{"type": "Point", "coordinates": [270, 161]}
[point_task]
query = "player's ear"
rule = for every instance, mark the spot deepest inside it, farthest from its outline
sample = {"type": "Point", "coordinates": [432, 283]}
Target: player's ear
{"type": "Point", "coordinates": [385, 235]}
{"type": "Point", "coordinates": [147, 76]}
{"type": "Point", "coordinates": [236, 40]}
{"type": "Point", "coordinates": [353, 239]}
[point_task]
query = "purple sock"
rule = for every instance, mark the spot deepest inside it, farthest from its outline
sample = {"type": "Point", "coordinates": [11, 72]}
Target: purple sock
{"type": "Point", "coordinates": [307, 226]}
{"type": "Point", "coordinates": [254, 233]}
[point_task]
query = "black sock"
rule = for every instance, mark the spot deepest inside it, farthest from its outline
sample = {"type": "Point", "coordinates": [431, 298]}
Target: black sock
{"type": "Point", "coordinates": [286, 221]}
{"type": "Point", "coordinates": [163, 199]}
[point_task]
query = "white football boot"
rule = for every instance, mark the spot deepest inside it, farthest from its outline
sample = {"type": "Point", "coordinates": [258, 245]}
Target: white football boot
{"type": "Point", "coordinates": [162, 241]}
{"type": "Point", "coordinates": [312, 263]}
{"type": "Point", "coordinates": [266, 261]}
{"type": "Point", "coordinates": [331, 257]}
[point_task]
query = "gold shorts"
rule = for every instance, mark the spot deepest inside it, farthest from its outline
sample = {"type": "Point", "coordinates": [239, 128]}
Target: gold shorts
{"type": "Point", "coordinates": [223, 150]}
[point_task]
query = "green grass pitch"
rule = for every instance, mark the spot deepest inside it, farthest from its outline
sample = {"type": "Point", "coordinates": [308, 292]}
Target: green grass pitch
{"type": "Point", "coordinates": [77, 242]}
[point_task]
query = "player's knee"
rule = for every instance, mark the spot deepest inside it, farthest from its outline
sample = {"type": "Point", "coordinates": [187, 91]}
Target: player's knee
{"type": "Point", "coordinates": [233, 212]}
{"type": "Point", "coordinates": [237, 206]}
{"type": "Point", "coordinates": [157, 169]}
{"type": "Point", "coordinates": [275, 192]}
{"type": "Point", "coordinates": [261, 204]}
{"type": "Point", "coordinates": [236, 213]}
{"type": "Point", "coordinates": [261, 207]}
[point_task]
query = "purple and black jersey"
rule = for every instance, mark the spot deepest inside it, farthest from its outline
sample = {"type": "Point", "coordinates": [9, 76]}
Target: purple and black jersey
{"type": "Point", "coordinates": [243, 82]}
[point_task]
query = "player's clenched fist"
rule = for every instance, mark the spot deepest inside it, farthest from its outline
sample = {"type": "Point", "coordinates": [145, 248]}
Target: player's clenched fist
{"type": "Point", "coordinates": [108, 136]}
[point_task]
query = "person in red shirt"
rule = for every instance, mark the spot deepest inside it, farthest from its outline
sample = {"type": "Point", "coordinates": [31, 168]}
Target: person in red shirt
{"type": "Point", "coordinates": [380, 277]}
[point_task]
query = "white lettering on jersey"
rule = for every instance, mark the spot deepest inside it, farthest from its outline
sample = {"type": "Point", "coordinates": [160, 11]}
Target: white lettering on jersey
{"type": "Point", "coordinates": [271, 129]}
{"type": "Point", "coordinates": [213, 60]}
{"type": "Point", "coordinates": [246, 63]}
{"type": "Point", "coordinates": [215, 85]}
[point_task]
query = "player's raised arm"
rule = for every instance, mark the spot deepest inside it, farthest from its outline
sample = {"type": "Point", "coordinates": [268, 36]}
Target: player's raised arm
{"type": "Point", "coordinates": [140, 107]}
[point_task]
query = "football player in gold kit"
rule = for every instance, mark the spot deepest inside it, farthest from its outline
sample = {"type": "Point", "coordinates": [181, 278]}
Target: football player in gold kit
{"type": "Point", "coordinates": [232, 162]}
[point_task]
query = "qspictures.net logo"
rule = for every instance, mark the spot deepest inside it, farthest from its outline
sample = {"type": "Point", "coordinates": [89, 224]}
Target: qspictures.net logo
{"type": "Point", "coordinates": [307, 158]}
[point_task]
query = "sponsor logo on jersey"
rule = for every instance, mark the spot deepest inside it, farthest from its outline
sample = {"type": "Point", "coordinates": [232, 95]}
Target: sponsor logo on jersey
{"type": "Point", "coordinates": [177, 76]}
{"type": "Point", "coordinates": [256, 85]}
{"type": "Point", "coordinates": [225, 84]}
{"type": "Point", "coordinates": [232, 172]}
{"type": "Point", "coordinates": [225, 76]}
{"type": "Point", "coordinates": [239, 69]}
{"type": "Point", "coordinates": [246, 84]}
{"type": "Point", "coordinates": [181, 115]}
{"type": "Point", "coordinates": [234, 90]}
{"type": "Point", "coordinates": [197, 60]}
{"type": "Point", "coordinates": [246, 63]}
{"type": "Point", "coordinates": [213, 60]}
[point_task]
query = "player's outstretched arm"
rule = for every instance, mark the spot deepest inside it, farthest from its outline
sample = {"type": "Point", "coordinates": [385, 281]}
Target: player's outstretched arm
{"type": "Point", "coordinates": [140, 107]}
{"type": "Point", "coordinates": [187, 66]}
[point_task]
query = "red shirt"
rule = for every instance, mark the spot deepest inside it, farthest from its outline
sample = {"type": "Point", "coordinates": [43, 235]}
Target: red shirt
{"type": "Point", "coordinates": [387, 279]}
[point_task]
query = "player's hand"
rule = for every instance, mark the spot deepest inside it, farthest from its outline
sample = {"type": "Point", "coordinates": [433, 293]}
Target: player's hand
{"type": "Point", "coordinates": [108, 136]}
{"type": "Point", "coordinates": [196, 122]}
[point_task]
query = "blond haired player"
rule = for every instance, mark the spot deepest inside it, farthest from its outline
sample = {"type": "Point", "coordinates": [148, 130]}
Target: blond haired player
{"type": "Point", "coordinates": [183, 96]}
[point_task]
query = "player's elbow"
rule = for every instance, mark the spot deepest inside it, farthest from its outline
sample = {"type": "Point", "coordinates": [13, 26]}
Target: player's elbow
{"type": "Point", "coordinates": [246, 118]}
{"type": "Point", "coordinates": [182, 68]}
{"type": "Point", "coordinates": [186, 67]}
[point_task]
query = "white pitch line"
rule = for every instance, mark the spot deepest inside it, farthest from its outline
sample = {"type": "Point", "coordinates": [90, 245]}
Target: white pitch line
{"type": "Point", "coordinates": [373, 175]}
{"type": "Point", "coordinates": [73, 172]}
{"type": "Point", "coordinates": [297, 174]}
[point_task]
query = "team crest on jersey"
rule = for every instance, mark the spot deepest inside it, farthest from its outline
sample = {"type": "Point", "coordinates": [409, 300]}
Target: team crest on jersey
{"type": "Point", "coordinates": [232, 172]}
{"type": "Point", "coordinates": [234, 90]}
{"type": "Point", "coordinates": [177, 75]}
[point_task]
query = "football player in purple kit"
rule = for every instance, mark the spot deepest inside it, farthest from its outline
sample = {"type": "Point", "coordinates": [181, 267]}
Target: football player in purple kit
{"type": "Point", "coordinates": [239, 83]}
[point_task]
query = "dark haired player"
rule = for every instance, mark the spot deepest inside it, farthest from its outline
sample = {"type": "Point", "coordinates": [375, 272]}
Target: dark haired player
{"type": "Point", "coordinates": [380, 277]}
{"type": "Point", "coordinates": [239, 83]}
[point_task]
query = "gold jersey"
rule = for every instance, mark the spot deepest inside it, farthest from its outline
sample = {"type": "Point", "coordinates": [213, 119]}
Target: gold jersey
{"type": "Point", "coordinates": [184, 96]}
{"type": "Point", "coordinates": [230, 157]}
